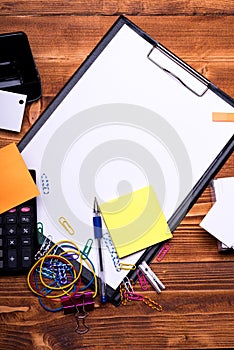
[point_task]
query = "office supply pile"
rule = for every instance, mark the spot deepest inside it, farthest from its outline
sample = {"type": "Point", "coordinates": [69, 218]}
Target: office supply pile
{"type": "Point", "coordinates": [55, 270]}
{"type": "Point", "coordinates": [117, 169]}
{"type": "Point", "coordinates": [56, 277]}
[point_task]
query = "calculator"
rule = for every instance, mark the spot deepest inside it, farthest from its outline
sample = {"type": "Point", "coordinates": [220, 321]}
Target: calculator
{"type": "Point", "coordinates": [18, 237]}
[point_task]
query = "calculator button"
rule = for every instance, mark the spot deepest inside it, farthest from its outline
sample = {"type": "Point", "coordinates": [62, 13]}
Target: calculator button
{"type": "Point", "coordinates": [12, 210]}
{"type": "Point", "coordinates": [26, 240]}
{"type": "Point", "coordinates": [12, 258]}
{"type": "Point", "coordinates": [0, 242]}
{"type": "Point", "coordinates": [1, 253]}
{"type": "Point", "coordinates": [11, 230]}
{"type": "Point", "coordinates": [12, 242]}
{"type": "Point", "coordinates": [26, 257]}
{"type": "Point", "coordinates": [1, 264]}
{"type": "Point", "coordinates": [1, 220]}
{"type": "Point", "coordinates": [11, 219]}
{"type": "Point", "coordinates": [25, 209]}
{"type": "Point", "coordinates": [25, 219]}
{"type": "Point", "coordinates": [0, 231]}
{"type": "Point", "coordinates": [26, 230]}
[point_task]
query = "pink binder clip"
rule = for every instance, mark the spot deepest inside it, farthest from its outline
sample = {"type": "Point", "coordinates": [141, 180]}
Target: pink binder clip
{"type": "Point", "coordinates": [79, 301]}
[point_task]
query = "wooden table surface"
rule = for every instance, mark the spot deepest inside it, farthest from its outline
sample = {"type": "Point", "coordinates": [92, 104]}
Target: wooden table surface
{"type": "Point", "coordinates": [198, 303]}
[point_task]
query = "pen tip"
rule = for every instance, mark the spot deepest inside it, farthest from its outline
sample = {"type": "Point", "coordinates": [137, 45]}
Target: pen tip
{"type": "Point", "coordinates": [95, 206]}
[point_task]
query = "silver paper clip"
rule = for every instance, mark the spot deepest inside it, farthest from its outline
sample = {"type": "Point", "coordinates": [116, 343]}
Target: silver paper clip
{"type": "Point", "coordinates": [151, 277]}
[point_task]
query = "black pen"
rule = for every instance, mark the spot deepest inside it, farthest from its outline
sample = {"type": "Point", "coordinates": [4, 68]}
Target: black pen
{"type": "Point", "coordinates": [97, 225]}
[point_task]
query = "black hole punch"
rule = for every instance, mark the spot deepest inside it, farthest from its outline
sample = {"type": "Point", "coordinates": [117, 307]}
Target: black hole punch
{"type": "Point", "coordinates": [21, 102]}
{"type": "Point", "coordinates": [18, 70]}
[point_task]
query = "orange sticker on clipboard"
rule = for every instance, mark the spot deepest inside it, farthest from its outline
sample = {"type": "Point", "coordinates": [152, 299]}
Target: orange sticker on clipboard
{"type": "Point", "coordinates": [222, 117]}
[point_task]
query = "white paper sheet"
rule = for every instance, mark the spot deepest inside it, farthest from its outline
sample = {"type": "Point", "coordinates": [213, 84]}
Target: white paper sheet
{"type": "Point", "coordinates": [219, 220]}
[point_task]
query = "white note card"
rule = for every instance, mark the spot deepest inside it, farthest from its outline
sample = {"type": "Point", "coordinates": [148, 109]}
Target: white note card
{"type": "Point", "coordinates": [12, 110]}
{"type": "Point", "coordinates": [219, 220]}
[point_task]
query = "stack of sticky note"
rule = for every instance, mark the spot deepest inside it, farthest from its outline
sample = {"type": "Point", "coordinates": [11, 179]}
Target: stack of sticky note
{"type": "Point", "coordinates": [219, 221]}
{"type": "Point", "coordinates": [16, 183]}
{"type": "Point", "coordinates": [135, 221]}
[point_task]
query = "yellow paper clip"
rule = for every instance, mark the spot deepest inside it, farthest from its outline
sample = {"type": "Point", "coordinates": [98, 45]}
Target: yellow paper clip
{"type": "Point", "coordinates": [152, 304]}
{"type": "Point", "coordinates": [124, 266]}
{"type": "Point", "coordinates": [122, 294]}
{"type": "Point", "coordinates": [66, 225]}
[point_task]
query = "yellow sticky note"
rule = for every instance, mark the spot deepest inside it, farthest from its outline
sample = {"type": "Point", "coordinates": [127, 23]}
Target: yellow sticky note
{"type": "Point", "coordinates": [16, 183]}
{"type": "Point", "coordinates": [135, 221]}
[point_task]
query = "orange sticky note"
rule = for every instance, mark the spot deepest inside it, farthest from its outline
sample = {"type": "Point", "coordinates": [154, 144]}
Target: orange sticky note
{"type": "Point", "coordinates": [16, 183]}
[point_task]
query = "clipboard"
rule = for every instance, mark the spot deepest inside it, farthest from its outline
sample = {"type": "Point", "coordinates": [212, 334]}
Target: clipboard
{"type": "Point", "coordinates": [133, 114]}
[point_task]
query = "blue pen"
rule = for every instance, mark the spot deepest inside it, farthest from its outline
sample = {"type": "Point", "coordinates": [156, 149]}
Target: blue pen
{"type": "Point", "coordinates": [97, 226]}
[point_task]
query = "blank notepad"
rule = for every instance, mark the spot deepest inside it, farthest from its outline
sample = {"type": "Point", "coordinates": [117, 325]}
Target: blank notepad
{"type": "Point", "coordinates": [135, 221]}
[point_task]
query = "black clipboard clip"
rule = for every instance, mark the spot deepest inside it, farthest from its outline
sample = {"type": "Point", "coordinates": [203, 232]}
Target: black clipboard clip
{"type": "Point", "coordinates": [178, 70]}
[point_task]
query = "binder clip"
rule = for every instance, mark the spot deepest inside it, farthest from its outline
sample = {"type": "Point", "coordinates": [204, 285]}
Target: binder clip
{"type": "Point", "coordinates": [151, 277]}
{"type": "Point", "coordinates": [79, 301]}
{"type": "Point", "coordinates": [79, 304]}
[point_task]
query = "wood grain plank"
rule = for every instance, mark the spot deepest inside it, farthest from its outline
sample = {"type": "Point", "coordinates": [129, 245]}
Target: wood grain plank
{"type": "Point", "coordinates": [116, 7]}
{"type": "Point", "coordinates": [189, 320]}
{"type": "Point", "coordinates": [204, 43]}
{"type": "Point", "coordinates": [126, 332]}
{"type": "Point", "coordinates": [70, 37]}
{"type": "Point", "coordinates": [198, 300]}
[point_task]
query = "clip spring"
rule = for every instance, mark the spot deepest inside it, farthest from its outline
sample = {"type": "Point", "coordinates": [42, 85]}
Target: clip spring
{"type": "Point", "coordinates": [78, 318]}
